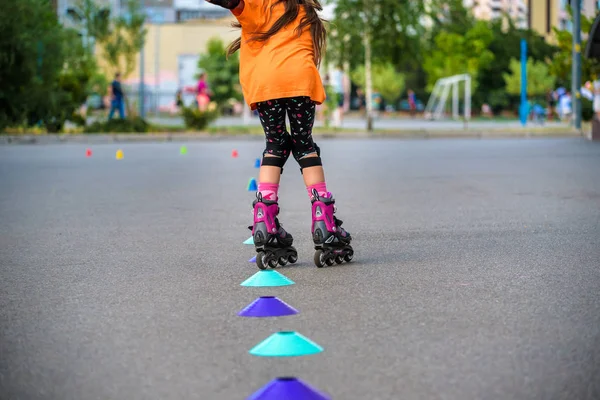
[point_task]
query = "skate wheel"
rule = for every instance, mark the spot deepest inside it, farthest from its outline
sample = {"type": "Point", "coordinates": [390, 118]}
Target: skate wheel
{"type": "Point", "coordinates": [261, 261]}
{"type": "Point", "coordinates": [329, 261]}
{"type": "Point", "coordinates": [339, 259]}
{"type": "Point", "coordinates": [282, 261]}
{"type": "Point", "coordinates": [319, 261]}
{"type": "Point", "coordinates": [273, 263]}
{"type": "Point", "coordinates": [292, 258]}
{"type": "Point", "coordinates": [348, 257]}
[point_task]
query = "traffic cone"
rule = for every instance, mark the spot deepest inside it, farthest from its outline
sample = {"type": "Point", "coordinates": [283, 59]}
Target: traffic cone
{"type": "Point", "coordinates": [267, 278]}
{"type": "Point", "coordinates": [249, 241]}
{"type": "Point", "coordinates": [267, 306]}
{"type": "Point", "coordinates": [288, 388]}
{"type": "Point", "coordinates": [257, 163]}
{"type": "Point", "coordinates": [234, 153]}
{"type": "Point", "coordinates": [183, 150]}
{"type": "Point", "coordinates": [119, 154]}
{"type": "Point", "coordinates": [88, 152]}
{"type": "Point", "coordinates": [252, 187]}
{"type": "Point", "coordinates": [252, 260]}
{"type": "Point", "coordinates": [286, 344]}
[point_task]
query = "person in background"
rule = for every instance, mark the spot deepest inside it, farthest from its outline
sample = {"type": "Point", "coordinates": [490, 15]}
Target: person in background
{"type": "Point", "coordinates": [117, 101]}
{"type": "Point", "coordinates": [412, 102]}
{"type": "Point", "coordinates": [203, 93]}
{"type": "Point", "coordinates": [538, 113]}
{"type": "Point", "coordinates": [565, 106]}
{"type": "Point", "coordinates": [178, 99]}
{"type": "Point", "coordinates": [551, 102]}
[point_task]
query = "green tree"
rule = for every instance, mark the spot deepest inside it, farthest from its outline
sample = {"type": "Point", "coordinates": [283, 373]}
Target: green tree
{"type": "Point", "coordinates": [40, 70]}
{"type": "Point", "coordinates": [123, 38]}
{"type": "Point", "coordinates": [539, 80]}
{"type": "Point", "coordinates": [459, 54]}
{"type": "Point", "coordinates": [386, 81]}
{"type": "Point", "coordinates": [396, 28]}
{"type": "Point", "coordinates": [73, 82]}
{"type": "Point", "coordinates": [561, 62]}
{"type": "Point", "coordinates": [93, 21]}
{"type": "Point", "coordinates": [222, 73]}
{"type": "Point", "coordinates": [450, 16]}
{"type": "Point", "coordinates": [506, 45]}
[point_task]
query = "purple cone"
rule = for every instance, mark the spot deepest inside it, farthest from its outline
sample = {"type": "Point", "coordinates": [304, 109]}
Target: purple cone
{"type": "Point", "coordinates": [267, 306]}
{"type": "Point", "coordinates": [288, 389]}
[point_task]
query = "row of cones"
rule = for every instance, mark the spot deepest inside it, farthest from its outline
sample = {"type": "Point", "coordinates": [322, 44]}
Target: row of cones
{"type": "Point", "coordinates": [119, 154]}
{"type": "Point", "coordinates": [279, 344]}
{"type": "Point", "coordinates": [183, 150]}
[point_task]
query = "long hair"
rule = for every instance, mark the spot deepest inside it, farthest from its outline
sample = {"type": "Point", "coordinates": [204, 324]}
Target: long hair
{"type": "Point", "coordinates": [311, 19]}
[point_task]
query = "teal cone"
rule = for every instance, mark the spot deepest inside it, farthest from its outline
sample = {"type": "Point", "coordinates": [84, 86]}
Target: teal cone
{"type": "Point", "coordinates": [267, 278]}
{"type": "Point", "coordinates": [286, 344]}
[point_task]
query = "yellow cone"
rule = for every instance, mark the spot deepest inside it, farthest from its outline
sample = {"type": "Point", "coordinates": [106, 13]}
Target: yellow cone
{"type": "Point", "coordinates": [119, 154]}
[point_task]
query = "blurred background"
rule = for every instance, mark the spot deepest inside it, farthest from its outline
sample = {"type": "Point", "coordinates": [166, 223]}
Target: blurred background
{"type": "Point", "coordinates": [400, 61]}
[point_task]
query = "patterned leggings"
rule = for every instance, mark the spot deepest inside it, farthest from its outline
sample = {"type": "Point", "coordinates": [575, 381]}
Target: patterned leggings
{"type": "Point", "coordinates": [301, 111]}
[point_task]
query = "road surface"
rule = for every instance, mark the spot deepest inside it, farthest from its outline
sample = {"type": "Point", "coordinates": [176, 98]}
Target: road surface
{"type": "Point", "coordinates": [476, 272]}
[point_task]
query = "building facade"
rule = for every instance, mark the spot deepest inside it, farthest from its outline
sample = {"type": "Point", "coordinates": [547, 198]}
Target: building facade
{"type": "Point", "coordinates": [546, 14]}
{"type": "Point", "coordinates": [157, 11]}
{"type": "Point", "coordinates": [493, 9]}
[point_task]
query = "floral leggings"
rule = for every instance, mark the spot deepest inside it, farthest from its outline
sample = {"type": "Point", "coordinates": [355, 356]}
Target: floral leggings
{"type": "Point", "coordinates": [301, 112]}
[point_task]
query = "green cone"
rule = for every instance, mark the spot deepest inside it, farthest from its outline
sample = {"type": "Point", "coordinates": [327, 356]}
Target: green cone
{"type": "Point", "coordinates": [267, 278]}
{"type": "Point", "coordinates": [286, 344]}
{"type": "Point", "coordinates": [183, 150]}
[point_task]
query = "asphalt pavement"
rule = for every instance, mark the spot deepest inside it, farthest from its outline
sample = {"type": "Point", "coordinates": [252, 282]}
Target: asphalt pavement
{"type": "Point", "coordinates": [476, 272]}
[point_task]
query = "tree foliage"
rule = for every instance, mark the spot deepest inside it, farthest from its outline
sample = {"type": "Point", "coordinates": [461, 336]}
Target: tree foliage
{"type": "Point", "coordinates": [459, 54]}
{"type": "Point", "coordinates": [95, 20]}
{"type": "Point", "coordinates": [222, 73]}
{"type": "Point", "coordinates": [386, 80]}
{"type": "Point", "coordinates": [43, 70]}
{"type": "Point", "coordinates": [539, 80]}
{"type": "Point", "coordinates": [395, 26]}
{"type": "Point", "coordinates": [506, 45]}
{"type": "Point", "coordinates": [122, 38]}
{"type": "Point", "coordinates": [561, 62]}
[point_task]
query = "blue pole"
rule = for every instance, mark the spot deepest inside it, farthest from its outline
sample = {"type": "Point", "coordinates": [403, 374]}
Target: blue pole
{"type": "Point", "coordinates": [524, 109]}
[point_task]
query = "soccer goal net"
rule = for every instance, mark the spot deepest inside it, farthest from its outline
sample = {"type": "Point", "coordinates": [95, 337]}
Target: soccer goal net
{"type": "Point", "coordinates": [437, 104]}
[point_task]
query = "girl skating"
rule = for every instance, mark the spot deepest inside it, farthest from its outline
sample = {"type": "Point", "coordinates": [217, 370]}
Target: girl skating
{"type": "Point", "coordinates": [281, 46]}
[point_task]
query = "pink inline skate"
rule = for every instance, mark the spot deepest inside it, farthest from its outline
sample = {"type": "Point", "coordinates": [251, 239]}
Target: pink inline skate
{"type": "Point", "coordinates": [273, 244]}
{"type": "Point", "coordinates": [332, 242]}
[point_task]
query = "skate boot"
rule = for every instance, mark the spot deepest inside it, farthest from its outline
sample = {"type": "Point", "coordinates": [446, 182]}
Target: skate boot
{"type": "Point", "coordinates": [332, 242]}
{"type": "Point", "coordinates": [273, 244]}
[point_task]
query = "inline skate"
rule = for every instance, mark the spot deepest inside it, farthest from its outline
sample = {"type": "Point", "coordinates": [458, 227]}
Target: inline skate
{"type": "Point", "coordinates": [273, 244]}
{"type": "Point", "coordinates": [332, 242]}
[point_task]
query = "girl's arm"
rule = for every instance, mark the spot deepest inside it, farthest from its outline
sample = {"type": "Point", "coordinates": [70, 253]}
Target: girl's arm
{"type": "Point", "coordinates": [229, 4]}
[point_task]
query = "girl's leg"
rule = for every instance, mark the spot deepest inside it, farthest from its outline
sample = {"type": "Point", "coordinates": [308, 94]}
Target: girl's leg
{"type": "Point", "coordinates": [272, 242]}
{"type": "Point", "coordinates": [272, 118]}
{"type": "Point", "coordinates": [332, 242]}
{"type": "Point", "coordinates": [301, 111]}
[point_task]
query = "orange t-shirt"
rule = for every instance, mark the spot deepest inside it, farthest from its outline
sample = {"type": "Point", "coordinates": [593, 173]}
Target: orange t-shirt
{"type": "Point", "coordinates": [282, 66]}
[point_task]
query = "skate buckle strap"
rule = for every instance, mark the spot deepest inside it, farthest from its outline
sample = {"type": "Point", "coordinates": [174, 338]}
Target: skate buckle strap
{"type": "Point", "coordinates": [315, 194]}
